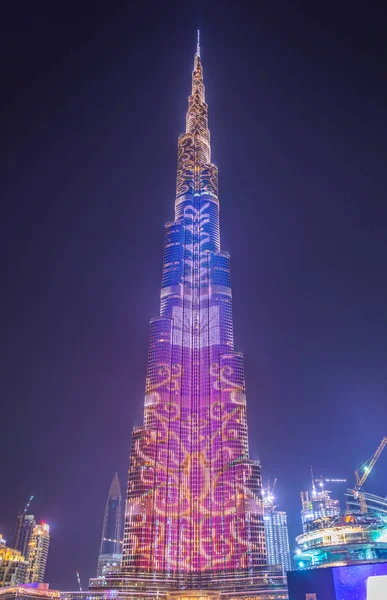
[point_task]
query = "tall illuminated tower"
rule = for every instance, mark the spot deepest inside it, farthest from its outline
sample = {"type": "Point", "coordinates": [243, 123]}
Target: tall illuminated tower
{"type": "Point", "coordinates": [276, 532]}
{"type": "Point", "coordinates": [194, 513]}
{"type": "Point", "coordinates": [110, 551]}
{"type": "Point", "coordinates": [37, 552]}
{"type": "Point", "coordinates": [24, 528]}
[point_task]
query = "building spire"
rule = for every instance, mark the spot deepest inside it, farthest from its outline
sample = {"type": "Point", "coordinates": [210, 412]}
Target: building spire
{"type": "Point", "coordinates": [115, 488]}
{"type": "Point", "coordinates": [198, 43]}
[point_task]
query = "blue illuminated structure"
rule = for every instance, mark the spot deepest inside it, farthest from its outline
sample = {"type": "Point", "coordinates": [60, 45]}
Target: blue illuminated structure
{"type": "Point", "coordinates": [110, 552]}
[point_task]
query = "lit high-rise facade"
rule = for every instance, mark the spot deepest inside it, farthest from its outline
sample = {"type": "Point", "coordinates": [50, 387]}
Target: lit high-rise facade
{"type": "Point", "coordinates": [194, 495]}
{"type": "Point", "coordinates": [110, 552]}
{"type": "Point", "coordinates": [277, 536]}
{"type": "Point", "coordinates": [194, 514]}
{"type": "Point", "coordinates": [38, 552]}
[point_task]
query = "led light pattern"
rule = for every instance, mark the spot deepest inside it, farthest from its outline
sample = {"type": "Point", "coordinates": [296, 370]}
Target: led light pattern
{"type": "Point", "coordinates": [194, 496]}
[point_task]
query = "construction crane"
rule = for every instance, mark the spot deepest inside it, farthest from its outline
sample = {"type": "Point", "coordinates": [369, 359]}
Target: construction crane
{"type": "Point", "coordinates": [79, 581]}
{"type": "Point", "coordinates": [268, 492]}
{"type": "Point", "coordinates": [366, 469]}
{"type": "Point", "coordinates": [27, 505]}
{"type": "Point", "coordinates": [321, 480]}
{"type": "Point", "coordinates": [20, 519]}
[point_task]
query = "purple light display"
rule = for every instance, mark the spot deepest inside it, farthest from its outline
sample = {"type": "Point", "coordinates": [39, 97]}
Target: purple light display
{"type": "Point", "coordinates": [194, 496]}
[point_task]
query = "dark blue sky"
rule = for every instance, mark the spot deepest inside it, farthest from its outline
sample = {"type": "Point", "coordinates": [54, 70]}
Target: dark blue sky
{"type": "Point", "coordinates": [94, 96]}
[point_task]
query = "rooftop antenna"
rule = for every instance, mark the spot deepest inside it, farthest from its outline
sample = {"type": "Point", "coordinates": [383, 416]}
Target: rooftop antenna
{"type": "Point", "coordinates": [198, 43]}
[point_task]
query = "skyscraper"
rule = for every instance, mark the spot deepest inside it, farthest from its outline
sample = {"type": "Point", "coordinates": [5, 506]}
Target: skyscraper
{"type": "Point", "coordinates": [194, 516]}
{"type": "Point", "coordinates": [37, 552]}
{"type": "Point", "coordinates": [110, 551]}
{"type": "Point", "coordinates": [276, 533]}
{"type": "Point", "coordinates": [24, 527]}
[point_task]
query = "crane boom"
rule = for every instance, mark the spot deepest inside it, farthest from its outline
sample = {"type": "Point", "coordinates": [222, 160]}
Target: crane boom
{"type": "Point", "coordinates": [79, 581]}
{"type": "Point", "coordinates": [369, 465]}
{"type": "Point", "coordinates": [28, 505]}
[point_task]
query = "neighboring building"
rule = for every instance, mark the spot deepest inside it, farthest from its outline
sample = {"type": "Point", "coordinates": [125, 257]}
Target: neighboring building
{"type": "Point", "coordinates": [318, 506]}
{"type": "Point", "coordinates": [24, 528]}
{"type": "Point", "coordinates": [350, 538]}
{"type": "Point", "coordinates": [194, 511]}
{"type": "Point", "coordinates": [276, 533]}
{"type": "Point", "coordinates": [13, 566]}
{"type": "Point", "coordinates": [38, 552]}
{"type": "Point", "coordinates": [34, 591]}
{"type": "Point", "coordinates": [110, 552]}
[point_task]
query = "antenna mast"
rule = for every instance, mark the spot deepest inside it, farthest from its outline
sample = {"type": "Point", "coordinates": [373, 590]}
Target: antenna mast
{"type": "Point", "coordinates": [198, 43]}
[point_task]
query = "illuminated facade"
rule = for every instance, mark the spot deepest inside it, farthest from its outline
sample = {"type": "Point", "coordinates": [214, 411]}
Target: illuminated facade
{"type": "Point", "coordinates": [13, 566]}
{"type": "Point", "coordinates": [343, 544]}
{"type": "Point", "coordinates": [194, 513]}
{"type": "Point", "coordinates": [194, 496]}
{"type": "Point", "coordinates": [34, 591]}
{"type": "Point", "coordinates": [317, 508]}
{"type": "Point", "coordinates": [348, 538]}
{"type": "Point", "coordinates": [277, 536]}
{"type": "Point", "coordinates": [110, 552]}
{"type": "Point", "coordinates": [37, 552]}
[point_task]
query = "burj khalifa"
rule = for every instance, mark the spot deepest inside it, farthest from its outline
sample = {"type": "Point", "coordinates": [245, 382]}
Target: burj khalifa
{"type": "Point", "coordinates": [194, 510]}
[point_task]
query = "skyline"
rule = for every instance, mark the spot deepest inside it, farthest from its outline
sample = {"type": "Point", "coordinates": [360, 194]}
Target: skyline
{"type": "Point", "coordinates": [283, 265]}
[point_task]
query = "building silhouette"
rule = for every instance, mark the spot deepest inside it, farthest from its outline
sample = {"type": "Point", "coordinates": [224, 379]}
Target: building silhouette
{"type": "Point", "coordinates": [110, 552]}
{"type": "Point", "coordinates": [24, 528]}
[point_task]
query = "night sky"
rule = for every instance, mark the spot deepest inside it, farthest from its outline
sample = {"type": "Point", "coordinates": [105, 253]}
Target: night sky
{"type": "Point", "coordinates": [94, 95]}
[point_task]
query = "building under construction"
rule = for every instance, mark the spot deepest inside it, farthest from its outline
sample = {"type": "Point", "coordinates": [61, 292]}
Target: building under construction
{"type": "Point", "coordinates": [331, 537]}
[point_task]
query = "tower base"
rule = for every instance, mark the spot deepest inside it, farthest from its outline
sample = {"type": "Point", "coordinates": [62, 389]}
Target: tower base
{"type": "Point", "coordinates": [263, 583]}
{"type": "Point", "coordinates": [194, 595]}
